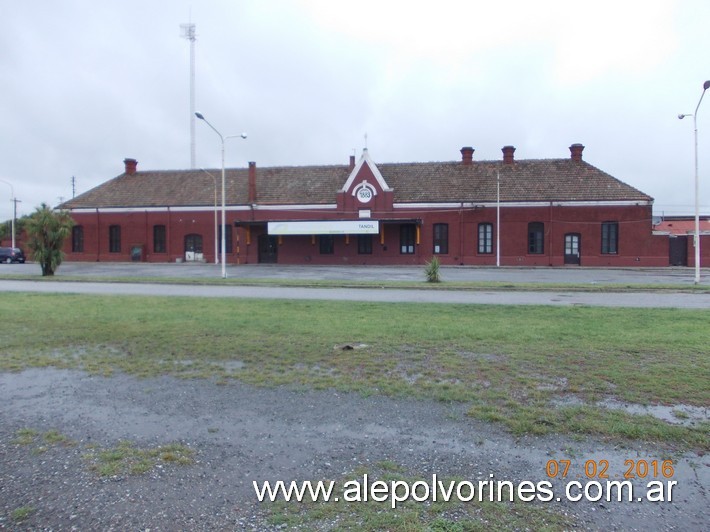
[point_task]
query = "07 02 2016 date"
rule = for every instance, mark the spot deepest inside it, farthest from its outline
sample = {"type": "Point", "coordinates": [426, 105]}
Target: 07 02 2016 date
{"type": "Point", "coordinates": [600, 469]}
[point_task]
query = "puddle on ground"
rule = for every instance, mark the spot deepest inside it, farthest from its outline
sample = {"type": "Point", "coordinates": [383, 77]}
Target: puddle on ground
{"type": "Point", "coordinates": [227, 365]}
{"type": "Point", "coordinates": [482, 356]}
{"type": "Point", "coordinates": [686, 415]}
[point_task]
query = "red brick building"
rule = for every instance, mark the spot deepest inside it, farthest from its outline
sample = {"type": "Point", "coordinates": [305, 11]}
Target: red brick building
{"type": "Point", "coordinates": [681, 239]}
{"type": "Point", "coordinates": [547, 212]}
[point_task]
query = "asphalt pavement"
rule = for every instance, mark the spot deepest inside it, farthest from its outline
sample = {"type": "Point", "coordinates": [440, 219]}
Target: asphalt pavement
{"type": "Point", "coordinates": [592, 276]}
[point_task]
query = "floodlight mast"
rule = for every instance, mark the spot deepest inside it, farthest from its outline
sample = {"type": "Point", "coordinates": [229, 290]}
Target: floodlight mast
{"type": "Point", "coordinates": [188, 32]}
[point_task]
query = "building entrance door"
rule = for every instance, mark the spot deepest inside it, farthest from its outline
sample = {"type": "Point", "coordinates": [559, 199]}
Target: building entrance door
{"type": "Point", "coordinates": [193, 247]}
{"type": "Point", "coordinates": [573, 249]}
{"type": "Point", "coordinates": [268, 247]}
{"type": "Point", "coordinates": [678, 252]}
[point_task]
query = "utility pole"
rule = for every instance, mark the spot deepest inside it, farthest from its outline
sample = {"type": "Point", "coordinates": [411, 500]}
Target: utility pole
{"type": "Point", "coordinates": [15, 201]}
{"type": "Point", "coordinates": [14, 212]}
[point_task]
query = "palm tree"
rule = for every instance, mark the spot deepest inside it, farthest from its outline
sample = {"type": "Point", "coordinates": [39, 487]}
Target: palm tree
{"type": "Point", "coordinates": [46, 231]}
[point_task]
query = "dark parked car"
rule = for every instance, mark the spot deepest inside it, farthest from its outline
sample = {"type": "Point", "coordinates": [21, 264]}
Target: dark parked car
{"type": "Point", "coordinates": [9, 255]}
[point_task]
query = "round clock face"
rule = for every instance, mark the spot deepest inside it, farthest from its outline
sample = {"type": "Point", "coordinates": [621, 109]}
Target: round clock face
{"type": "Point", "coordinates": [364, 195]}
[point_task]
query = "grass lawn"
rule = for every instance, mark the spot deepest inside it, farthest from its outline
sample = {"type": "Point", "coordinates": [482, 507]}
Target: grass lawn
{"type": "Point", "coordinates": [507, 362]}
{"type": "Point", "coordinates": [454, 515]}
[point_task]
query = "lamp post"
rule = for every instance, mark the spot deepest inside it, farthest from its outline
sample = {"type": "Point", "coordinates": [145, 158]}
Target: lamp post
{"type": "Point", "coordinates": [498, 220]}
{"type": "Point", "coordinates": [224, 215]}
{"type": "Point", "coordinates": [14, 209]}
{"type": "Point", "coordinates": [706, 86]}
{"type": "Point", "coordinates": [214, 180]}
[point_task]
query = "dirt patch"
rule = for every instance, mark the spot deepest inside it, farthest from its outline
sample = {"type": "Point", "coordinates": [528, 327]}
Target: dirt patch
{"type": "Point", "coordinates": [241, 434]}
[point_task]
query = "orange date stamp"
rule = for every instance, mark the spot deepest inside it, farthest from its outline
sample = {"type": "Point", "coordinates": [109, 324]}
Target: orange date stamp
{"type": "Point", "coordinates": [632, 469]}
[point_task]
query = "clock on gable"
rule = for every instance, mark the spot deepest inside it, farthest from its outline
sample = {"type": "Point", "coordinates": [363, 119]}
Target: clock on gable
{"type": "Point", "coordinates": [364, 192]}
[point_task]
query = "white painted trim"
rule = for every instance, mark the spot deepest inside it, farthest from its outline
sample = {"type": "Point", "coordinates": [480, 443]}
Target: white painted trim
{"type": "Point", "coordinates": [210, 209]}
{"type": "Point", "coordinates": [365, 159]}
{"type": "Point", "coordinates": [449, 205]}
{"type": "Point", "coordinates": [608, 203]}
{"type": "Point", "coordinates": [689, 232]}
{"type": "Point", "coordinates": [122, 209]}
{"type": "Point", "coordinates": [503, 204]}
{"type": "Point", "coordinates": [201, 208]}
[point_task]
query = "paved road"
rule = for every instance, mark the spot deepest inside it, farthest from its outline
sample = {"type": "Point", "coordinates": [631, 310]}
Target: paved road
{"type": "Point", "coordinates": [593, 276]}
{"type": "Point", "coordinates": [635, 299]}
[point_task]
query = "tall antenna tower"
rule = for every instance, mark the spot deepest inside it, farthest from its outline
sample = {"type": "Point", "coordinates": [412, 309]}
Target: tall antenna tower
{"type": "Point", "coordinates": [188, 32]}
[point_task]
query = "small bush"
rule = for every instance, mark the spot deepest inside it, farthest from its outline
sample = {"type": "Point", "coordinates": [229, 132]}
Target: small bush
{"type": "Point", "coordinates": [432, 271]}
{"type": "Point", "coordinates": [20, 514]}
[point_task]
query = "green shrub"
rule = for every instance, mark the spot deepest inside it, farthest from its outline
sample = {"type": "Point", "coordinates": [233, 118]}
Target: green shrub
{"type": "Point", "coordinates": [432, 271]}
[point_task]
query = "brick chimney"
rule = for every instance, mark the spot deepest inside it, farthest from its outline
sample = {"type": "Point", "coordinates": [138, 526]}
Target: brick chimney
{"type": "Point", "coordinates": [576, 151]}
{"type": "Point", "coordinates": [252, 182]}
{"type": "Point", "coordinates": [352, 163]}
{"type": "Point", "coordinates": [131, 166]}
{"type": "Point", "coordinates": [467, 155]}
{"type": "Point", "coordinates": [508, 152]}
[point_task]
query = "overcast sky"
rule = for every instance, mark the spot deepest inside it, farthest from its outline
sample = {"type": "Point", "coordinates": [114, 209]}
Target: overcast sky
{"type": "Point", "coordinates": [86, 84]}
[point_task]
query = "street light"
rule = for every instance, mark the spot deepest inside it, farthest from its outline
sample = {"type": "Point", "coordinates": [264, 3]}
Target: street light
{"type": "Point", "coordinates": [214, 180]}
{"type": "Point", "coordinates": [706, 86]}
{"type": "Point", "coordinates": [14, 209]}
{"type": "Point", "coordinates": [498, 219]}
{"type": "Point", "coordinates": [224, 216]}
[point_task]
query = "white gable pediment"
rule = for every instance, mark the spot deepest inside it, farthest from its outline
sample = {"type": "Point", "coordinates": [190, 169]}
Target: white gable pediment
{"type": "Point", "coordinates": [365, 160]}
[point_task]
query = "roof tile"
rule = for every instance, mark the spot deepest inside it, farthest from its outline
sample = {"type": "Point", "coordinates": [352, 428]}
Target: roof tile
{"type": "Point", "coordinates": [523, 180]}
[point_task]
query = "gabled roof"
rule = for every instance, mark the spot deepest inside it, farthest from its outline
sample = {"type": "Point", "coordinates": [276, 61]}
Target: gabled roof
{"type": "Point", "coordinates": [366, 160]}
{"type": "Point", "coordinates": [524, 180]}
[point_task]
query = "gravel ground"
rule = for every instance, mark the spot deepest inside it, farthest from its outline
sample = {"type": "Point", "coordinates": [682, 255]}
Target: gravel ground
{"type": "Point", "coordinates": [241, 433]}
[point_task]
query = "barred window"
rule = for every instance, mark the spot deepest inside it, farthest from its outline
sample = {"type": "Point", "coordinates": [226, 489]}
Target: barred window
{"type": "Point", "coordinates": [114, 238]}
{"type": "Point", "coordinates": [77, 239]}
{"type": "Point", "coordinates": [407, 238]}
{"type": "Point", "coordinates": [159, 239]}
{"type": "Point", "coordinates": [536, 238]}
{"type": "Point", "coordinates": [610, 238]}
{"type": "Point", "coordinates": [364, 244]}
{"type": "Point", "coordinates": [485, 238]}
{"type": "Point", "coordinates": [441, 238]}
{"type": "Point", "coordinates": [327, 244]}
